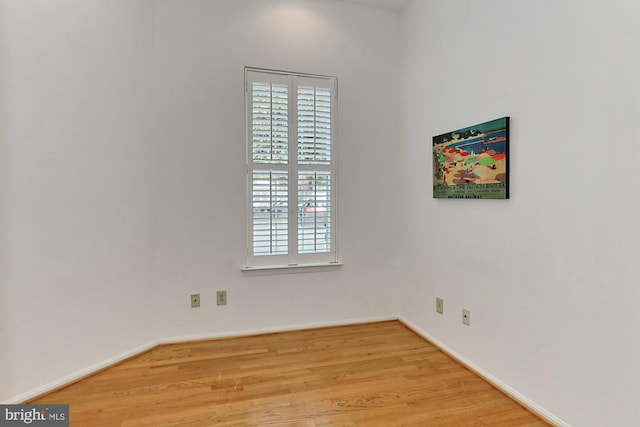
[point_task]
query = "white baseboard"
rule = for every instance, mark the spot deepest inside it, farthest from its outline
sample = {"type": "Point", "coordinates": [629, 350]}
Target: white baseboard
{"type": "Point", "coordinates": [76, 376]}
{"type": "Point", "coordinates": [69, 379]}
{"type": "Point", "coordinates": [513, 394]}
{"type": "Point", "coordinates": [260, 331]}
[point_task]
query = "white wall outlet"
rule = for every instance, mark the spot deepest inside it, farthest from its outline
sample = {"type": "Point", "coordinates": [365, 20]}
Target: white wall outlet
{"type": "Point", "coordinates": [466, 317]}
{"type": "Point", "coordinates": [439, 305]}
{"type": "Point", "coordinates": [221, 297]}
{"type": "Point", "coordinates": [195, 300]}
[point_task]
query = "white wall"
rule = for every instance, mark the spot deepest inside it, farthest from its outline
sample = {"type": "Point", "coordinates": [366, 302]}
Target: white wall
{"type": "Point", "coordinates": [550, 276]}
{"type": "Point", "coordinates": [201, 50]}
{"type": "Point", "coordinates": [122, 179]}
{"type": "Point", "coordinates": [75, 247]}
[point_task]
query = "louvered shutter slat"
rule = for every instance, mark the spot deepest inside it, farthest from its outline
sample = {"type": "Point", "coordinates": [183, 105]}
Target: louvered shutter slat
{"type": "Point", "coordinates": [270, 123]}
{"type": "Point", "coordinates": [314, 125]}
{"type": "Point", "coordinates": [314, 207]}
{"type": "Point", "coordinates": [270, 195]}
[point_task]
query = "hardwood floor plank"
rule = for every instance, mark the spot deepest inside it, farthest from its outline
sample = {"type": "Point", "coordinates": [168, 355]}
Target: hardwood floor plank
{"type": "Point", "coordinates": [361, 375]}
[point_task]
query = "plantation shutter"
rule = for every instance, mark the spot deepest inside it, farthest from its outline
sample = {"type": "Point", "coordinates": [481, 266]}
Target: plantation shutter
{"type": "Point", "coordinates": [314, 126]}
{"type": "Point", "coordinates": [291, 173]}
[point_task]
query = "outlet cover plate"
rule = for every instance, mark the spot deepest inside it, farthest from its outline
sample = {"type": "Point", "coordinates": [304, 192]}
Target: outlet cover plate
{"type": "Point", "coordinates": [439, 305]}
{"type": "Point", "coordinates": [221, 297]}
{"type": "Point", "coordinates": [466, 317]}
{"type": "Point", "coordinates": [195, 300]}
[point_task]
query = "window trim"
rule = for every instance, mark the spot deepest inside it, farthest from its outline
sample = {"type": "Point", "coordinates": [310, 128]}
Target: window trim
{"type": "Point", "coordinates": [296, 268]}
{"type": "Point", "coordinates": [294, 261]}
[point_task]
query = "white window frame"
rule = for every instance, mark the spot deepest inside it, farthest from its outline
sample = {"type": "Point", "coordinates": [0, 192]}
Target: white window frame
{"type": "Point", "coordinates": [292, 259]}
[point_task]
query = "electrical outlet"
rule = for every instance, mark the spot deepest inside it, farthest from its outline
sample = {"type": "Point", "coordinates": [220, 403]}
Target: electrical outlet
{"type": "Point", "coordinates": [195, 300]}
{"type": "Point", "coordinates": [221, 297]}
{"type": "Point", "coordinates": [466, 317]}
{"type": "Point", "coordinates": [439, 305]}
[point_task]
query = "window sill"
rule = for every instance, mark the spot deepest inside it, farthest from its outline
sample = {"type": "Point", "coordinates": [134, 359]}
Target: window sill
{"type": "Point", "coordinates": [295, 268]}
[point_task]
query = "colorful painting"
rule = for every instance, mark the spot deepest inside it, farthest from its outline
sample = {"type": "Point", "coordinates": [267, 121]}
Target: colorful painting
{"type": "Point", "coordinates": [473, 162]}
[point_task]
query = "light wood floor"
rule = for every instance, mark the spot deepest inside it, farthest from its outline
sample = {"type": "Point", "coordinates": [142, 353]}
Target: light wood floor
{"type": "Point", "coordinates": [379, 374]}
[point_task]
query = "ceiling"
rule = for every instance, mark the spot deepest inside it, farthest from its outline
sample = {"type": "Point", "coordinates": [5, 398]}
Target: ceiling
{"type": "Point", "coordinates": [388, 4]}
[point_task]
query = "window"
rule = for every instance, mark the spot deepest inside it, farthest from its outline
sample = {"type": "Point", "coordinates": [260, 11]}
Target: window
{"type": "Point", "coordinates": [291, 177]}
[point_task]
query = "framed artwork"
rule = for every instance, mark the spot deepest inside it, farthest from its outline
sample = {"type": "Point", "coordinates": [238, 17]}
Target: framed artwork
{"type": "Point", "coordinates": [472, 162]}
